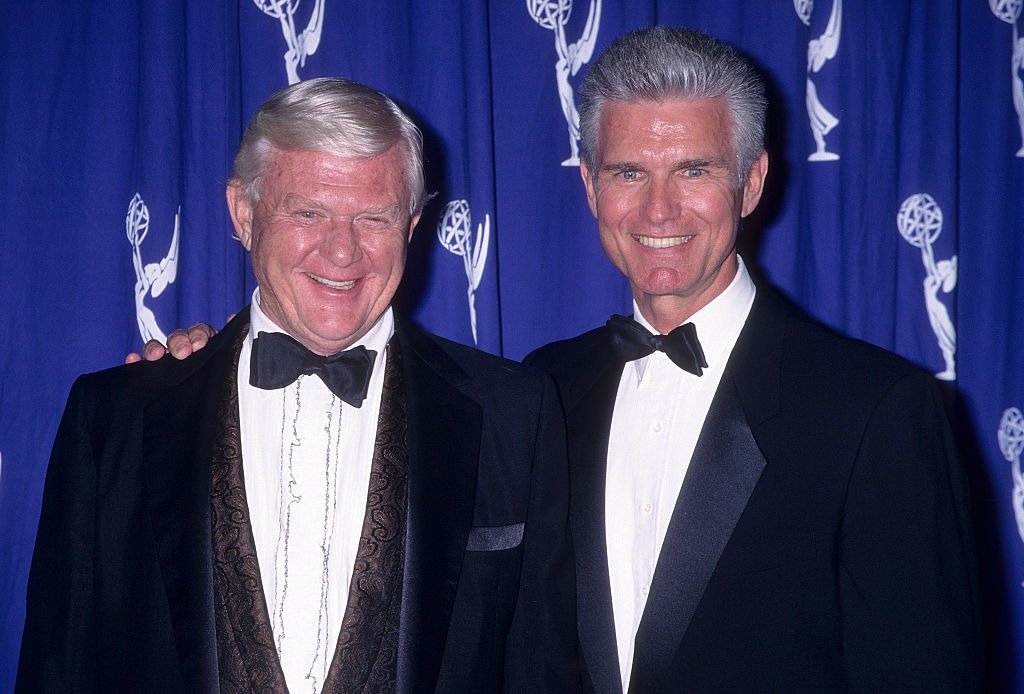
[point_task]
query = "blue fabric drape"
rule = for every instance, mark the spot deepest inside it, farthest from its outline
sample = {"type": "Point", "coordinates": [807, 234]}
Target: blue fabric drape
{"type": "Point", "coordinates": [893, 212]}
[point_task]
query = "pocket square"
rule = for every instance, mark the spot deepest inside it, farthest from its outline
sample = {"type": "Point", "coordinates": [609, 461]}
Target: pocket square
{"type": "Point", "coordinates": [495, 537]}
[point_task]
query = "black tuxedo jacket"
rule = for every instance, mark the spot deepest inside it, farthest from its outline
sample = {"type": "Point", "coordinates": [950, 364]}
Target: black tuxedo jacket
{"type": "Point", "coordinates": [120, 593]}
{"type": "Point", "coordinates": [820, 541]}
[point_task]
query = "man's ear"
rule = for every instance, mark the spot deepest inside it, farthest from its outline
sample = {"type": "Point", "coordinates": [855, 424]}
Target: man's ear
{"type": "Point", "coordinates": [754, 186]}
{"type": "Point", "coordinates": [590, 183]}
{"type": "Point", "coordinates": [241, 210]}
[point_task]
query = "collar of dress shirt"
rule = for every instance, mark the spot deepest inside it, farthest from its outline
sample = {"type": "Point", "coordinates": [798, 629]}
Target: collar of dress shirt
{"type": "Point", "coordinates": [376, 338]}
{"type": "Point", "coordinates": [718, 323]}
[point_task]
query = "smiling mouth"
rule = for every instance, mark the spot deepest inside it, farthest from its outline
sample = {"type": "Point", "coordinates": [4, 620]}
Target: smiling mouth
{"type": "Point", "coordinates": [661, 241]}
{"type": "Point", "coordinates": [329, 283]}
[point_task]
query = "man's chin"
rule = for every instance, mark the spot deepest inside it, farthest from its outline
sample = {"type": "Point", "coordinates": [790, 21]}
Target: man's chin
{"type": "Point", "coordinates": [331, 338]}
{"type": "Point", "coordinates": [663, 283]}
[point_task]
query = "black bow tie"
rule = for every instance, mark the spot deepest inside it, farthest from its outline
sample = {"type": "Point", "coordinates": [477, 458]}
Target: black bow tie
{"type": "Point", "coordinates": [633, 341]}
{"type": "Point", "coordinates": [278, 359]}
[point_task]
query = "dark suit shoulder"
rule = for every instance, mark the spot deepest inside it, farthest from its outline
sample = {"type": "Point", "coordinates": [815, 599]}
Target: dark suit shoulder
{"type": "Point", "coordinates": [788, 364]}
{"type": "Point", "coordinates": [574, 363]}
{"type": "Point", "coordinates": [568, 355]}
{"type": "Point", "coordinates": [469, 368]}
{"type": "Point", "coordinates": [146, 379]}
{"type": "Point", "coordinates": [471, 358]}
{"type": "Point", "coordinates": [128, 384]}
{"type": "Point", "coordinates": [819, 353]}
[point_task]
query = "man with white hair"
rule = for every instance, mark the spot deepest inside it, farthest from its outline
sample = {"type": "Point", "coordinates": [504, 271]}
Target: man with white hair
{"type": "Point", "coordinates": [326, 498]}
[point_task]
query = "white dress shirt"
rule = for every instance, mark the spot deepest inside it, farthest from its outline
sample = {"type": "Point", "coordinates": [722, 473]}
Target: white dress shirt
{"type": "Point", "coordinates": [659, 412]}
{"type": "Point", "coordinates": [306, 459]}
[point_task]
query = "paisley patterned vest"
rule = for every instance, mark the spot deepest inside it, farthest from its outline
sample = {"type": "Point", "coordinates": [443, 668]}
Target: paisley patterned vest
{"type": "Point", "coordinates": [365, 657]}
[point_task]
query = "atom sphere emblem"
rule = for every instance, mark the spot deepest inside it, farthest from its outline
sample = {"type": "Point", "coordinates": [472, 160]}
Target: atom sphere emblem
{"type": "Point", "coordinates": [1006, 10]}
{"type": "Point", "coordinates": [454, 230]}
{"type": "Point", "coordinates": [1011, 443]}
{"type": "Point", "coordinates": [136, 222]}
{"type": "Point", "coordinates": [919, 220]}
{"type": "Point", "coordinates": [1011, 434]}
{"type": "Point", "coordinates": [550, 14]}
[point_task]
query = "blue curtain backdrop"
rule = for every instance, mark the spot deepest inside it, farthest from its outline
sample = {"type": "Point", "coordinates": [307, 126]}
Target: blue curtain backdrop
{"type": "Point", "coordinates": [894, 209]}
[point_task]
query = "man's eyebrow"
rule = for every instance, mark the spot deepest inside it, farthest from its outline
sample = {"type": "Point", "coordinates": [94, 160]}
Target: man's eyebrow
{"type": "Point", "coordinates": [696, 163]}
{"type": "Point", "coordinates": [296, 199]}
{"type": "Point", "coordinates": [383, 210]}
{"type": "Point", "coordinates": [616, 166]}
{"type": "Point", "coordinates": [702, 163]}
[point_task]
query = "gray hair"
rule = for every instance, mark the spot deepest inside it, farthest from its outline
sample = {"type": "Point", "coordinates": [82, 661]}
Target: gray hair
{"type": "Point", "coordinates": [332, 115]}
{"type": "Point", "coordinates": [662, 62]}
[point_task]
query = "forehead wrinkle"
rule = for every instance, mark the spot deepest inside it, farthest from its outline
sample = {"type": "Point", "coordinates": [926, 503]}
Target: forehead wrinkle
{"type": "Point", "coordinates": [658, 119]}
{"type": "Point", "coordinates": [323, 195]}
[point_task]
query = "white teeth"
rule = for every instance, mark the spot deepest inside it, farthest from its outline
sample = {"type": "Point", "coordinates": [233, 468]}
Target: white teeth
{"type": "Point", "coordinates": [660, 241]}
{"type": "Point", "coordinates": [333, 285]}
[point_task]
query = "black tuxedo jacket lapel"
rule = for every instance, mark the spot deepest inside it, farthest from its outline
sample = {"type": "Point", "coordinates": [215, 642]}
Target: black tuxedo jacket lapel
{"type": "Point", "coordinates": [587, 371]}
{"type": "Point", "coordinates": [726, 465]}
{"type": "Point", "coordinates": [444, 450]}
{"type": "Point", "coordinates": [723, 472]}
{"type": "Point", "coordinates": [589, 425]}
{"type": "Point", "coordinates": [177, 447]}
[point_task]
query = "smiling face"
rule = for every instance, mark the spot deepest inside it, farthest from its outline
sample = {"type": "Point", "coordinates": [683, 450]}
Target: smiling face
{"type": "Point", "coordinates": [667, 202]}
{"type": "Point", "coordinates": [328, 239]}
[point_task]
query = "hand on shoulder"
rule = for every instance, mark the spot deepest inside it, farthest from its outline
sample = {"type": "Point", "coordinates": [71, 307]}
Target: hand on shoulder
{"type": "Point", "coordinates": [180, 343]}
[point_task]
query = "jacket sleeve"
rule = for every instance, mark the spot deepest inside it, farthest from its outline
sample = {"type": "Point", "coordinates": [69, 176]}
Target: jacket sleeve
{"type": "Point", "coordinates": [57, 650]}
{"type": "Point", "coordinates": [541, 649]}
{"type": "Point", "coordinates": [907, 568]}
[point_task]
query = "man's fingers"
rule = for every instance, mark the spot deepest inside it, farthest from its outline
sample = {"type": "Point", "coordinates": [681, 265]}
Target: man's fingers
{"type": "Point", "coordinates": [153, 351]}
{"type": "Point", "coordinates": [180, 343]}
{"type": "Point", "coordinates": [199, 334]}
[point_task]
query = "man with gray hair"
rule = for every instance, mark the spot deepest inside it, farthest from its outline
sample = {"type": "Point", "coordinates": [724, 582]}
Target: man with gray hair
{"type": "Point", "coordinates": [772, 506]}
{"type": "Point", "coordinates": [326, 498]}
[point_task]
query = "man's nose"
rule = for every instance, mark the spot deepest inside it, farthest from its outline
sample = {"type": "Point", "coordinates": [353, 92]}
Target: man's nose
{"type": "Point", "coordinates": [661, 201]}
{"type": "Point", "coordinates": [340, 245]}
